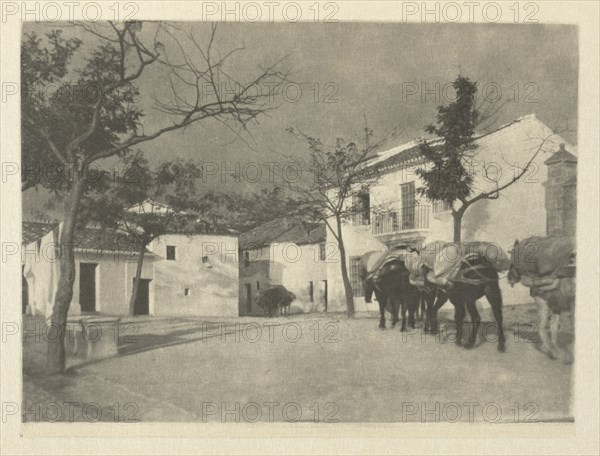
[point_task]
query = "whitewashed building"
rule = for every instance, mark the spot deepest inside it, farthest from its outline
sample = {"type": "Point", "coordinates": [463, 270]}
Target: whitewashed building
{"type": "Point", "coordinates": [394, 213]}
{"type": "Point", "coordinates": [105, 265]}
{"type": "Point", "coordinates": [288, 252]}
{"type": "Point", "coordinates": [182, 274]}
{"type": "Point", "coordinates": [197, 274]}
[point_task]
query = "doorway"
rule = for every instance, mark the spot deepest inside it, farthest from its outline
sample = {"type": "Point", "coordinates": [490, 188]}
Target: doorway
{"type": "Point", "coordinates": [142, 300]}
{"type": "Point", "coordinates": [324, 294]}
{"type": "Point", "coordinates": [248, 298]}
{"type": "Point", "coordinates": [87, 287]}
{"type": "Point", "coordinates": [24, 292]}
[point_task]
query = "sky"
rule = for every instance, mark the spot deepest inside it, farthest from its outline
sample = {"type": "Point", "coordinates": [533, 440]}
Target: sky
{"type": "Point", "coordinates": [394, 75]}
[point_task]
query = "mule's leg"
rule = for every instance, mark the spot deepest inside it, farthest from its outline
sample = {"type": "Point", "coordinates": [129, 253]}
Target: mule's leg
{"type": "Point", "coordinates": [403, 308]}
{"type": "Point", "coordinates": [568, 352]}
{"type": "Point", "coordinates": [422, 307]}
{"type": "Point", "coordinates": [565, 294]}
{"type": "Point", "coordinates": [368, 291]}
{"type": "Point", "coordinates": [381, 301]}
{"type": "Point", "coordinates": [429, 299]}
{"type": "Point", "coordinates": [494, 297]}
{"type": "Point", "coordinates": [393, 300]}
{"type": "Point", "coordinates": [475, 321]}
{"type": "Point", "coordinates": [544, 326]}
{"type": "Point", "coordinates": [413, 306]}
{"type": "Point", "coordinates": [564, 355]}
{"type": "Point", "coordinates": [439, 299]}
{"type": "Point", "coordinates": [459, 319]}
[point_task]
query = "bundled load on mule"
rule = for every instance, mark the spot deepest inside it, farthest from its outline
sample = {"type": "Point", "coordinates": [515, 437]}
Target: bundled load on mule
{"type": "Point", "coordinates": [443, 263]}
{"type": "Point", "coordinates": [373, 262]}
{"type": "Point", "coordinates": [539, 262]}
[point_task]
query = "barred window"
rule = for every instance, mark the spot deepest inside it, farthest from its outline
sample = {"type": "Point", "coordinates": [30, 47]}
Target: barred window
{"type": "Point", "coordinates": [441, 206]}
{"type": "Point", "coordinates": [361, 207]}
{"type": "Point", "coordinates": [322, 251]}
{"type": "Point", "coordinates": [355, 280]}
{"type": "Point", "coordinates": [170, 252]}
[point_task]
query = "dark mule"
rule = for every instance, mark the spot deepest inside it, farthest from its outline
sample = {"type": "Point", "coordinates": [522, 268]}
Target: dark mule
{"type": "Point", "coordinates": [478, 278]}
{"type": "Point", "coordinates": [392, 289]}
{"type": "Point", "coordinates": [274, 299]}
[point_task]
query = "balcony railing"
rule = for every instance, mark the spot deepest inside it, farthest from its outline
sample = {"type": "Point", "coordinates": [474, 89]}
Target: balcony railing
{"type": "Point", "coordinates": [409, 218]}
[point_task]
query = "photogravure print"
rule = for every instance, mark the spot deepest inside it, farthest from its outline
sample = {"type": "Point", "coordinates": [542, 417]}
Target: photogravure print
{"type": "Point", "coordinates": [229, 220]}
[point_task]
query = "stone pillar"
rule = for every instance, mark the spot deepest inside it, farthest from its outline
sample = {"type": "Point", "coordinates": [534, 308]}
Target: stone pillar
{"type": "Point", "coordinates": [561, 193]}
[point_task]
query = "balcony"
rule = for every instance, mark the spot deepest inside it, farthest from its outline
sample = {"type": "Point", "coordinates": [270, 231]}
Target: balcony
{"type": "Point", "coordinates": [409, 218]}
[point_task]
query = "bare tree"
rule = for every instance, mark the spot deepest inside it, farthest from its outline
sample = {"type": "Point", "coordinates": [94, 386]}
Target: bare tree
{"type": "Point", "coordinates": [340, 173]}
{"type": "Point", "coordinates": [80, 130]}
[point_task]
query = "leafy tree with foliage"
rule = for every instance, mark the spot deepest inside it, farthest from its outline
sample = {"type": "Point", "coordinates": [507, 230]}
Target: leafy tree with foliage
{"type": "Point", "coordinates": [257, 208]}
{"type": "Point", "coordinates": [101, 116]}
{"type": "Point", "coordinates": [448, 178]}
{"type": "Point", "coordinates": [147, 204]}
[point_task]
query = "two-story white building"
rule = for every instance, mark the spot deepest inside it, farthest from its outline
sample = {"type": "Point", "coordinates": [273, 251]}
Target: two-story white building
{"type": "Point", "coordinates": [394, 213]}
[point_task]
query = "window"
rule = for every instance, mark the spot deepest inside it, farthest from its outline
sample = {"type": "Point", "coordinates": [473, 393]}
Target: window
{"type": "Point", "coordinates": [248, 288]}
{"type": "Point", "coordinates": [311, 292]}
{"type": "Point", "coordinates": [408, 196]}
{"type": "Point", "coordinates": [361, 204]}
{"type": "Point", "coordinates": [186, 292]}
{"type": "Point", "coordinates": [170, 252]}
{"type": "Point", "coordinates": [355, 280]}
{"type": "Point", "coordinates": [246, 258]}
{"type": "Point", "coordinates": [258, 285]}
{"type": "Point", "coordinates": [204, 259]}
{"type": "Point", "coordinates": [322, 251]}
{"type": "Point", "coordinates": [441, 206]}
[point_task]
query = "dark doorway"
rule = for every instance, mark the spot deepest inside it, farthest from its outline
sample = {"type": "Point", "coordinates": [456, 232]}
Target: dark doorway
{"type": "Point", "coordinates": [87, 287]}
{"type": "Point", "coordinates": [24, 293]}
{"type": "Point", "coordinates": [324, 293]}
{"type": "Point", "coordinates": [142, 300]}
{"type": "Point", "coordinates": [248, 298]}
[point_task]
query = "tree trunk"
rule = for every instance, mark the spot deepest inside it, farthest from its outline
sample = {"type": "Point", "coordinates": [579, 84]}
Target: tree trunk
{"type": "Point", "coordinates": [136, 281]}
{"type": "Point", "coordinates": [457, 217]}
{"type": "Point", "coordinates": [346, 280]}
{"type": "Point", "coordinates": [55, 361]}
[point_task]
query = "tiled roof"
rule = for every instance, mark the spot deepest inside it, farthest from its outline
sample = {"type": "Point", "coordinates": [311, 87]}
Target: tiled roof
{"type": "Point", "coordinates": [104, 240]}
{"type": "Point", "coordinates": [32, 231]}
{"type": "Point", "coordinates": [85, 239]}
{"type": "Point", "coordinates": [286, 229]}
{"type": "Point", "coordinates": [396, 154]}
{"type": "Point", "coordinates": [38, 217]}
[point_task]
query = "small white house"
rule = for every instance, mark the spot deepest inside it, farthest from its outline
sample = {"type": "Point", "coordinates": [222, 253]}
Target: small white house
{"type": "Point", "coordinates": [288, 252]}
{"type": "Point", "coordinates": [197, 274]}
{"type": "Point", "coordinates": [105, 265]}
{"type": "Point", "coordinates": [394, 214]}
{"type": "Point", "coordinates": [182, 274]}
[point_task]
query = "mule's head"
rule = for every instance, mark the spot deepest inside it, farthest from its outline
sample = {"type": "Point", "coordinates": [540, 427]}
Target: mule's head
{"type": "Point", "coordinates": [513, 275]}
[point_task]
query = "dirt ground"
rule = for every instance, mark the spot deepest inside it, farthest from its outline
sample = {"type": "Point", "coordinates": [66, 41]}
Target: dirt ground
{"type": "Point", "coordinates": [315, 367]}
